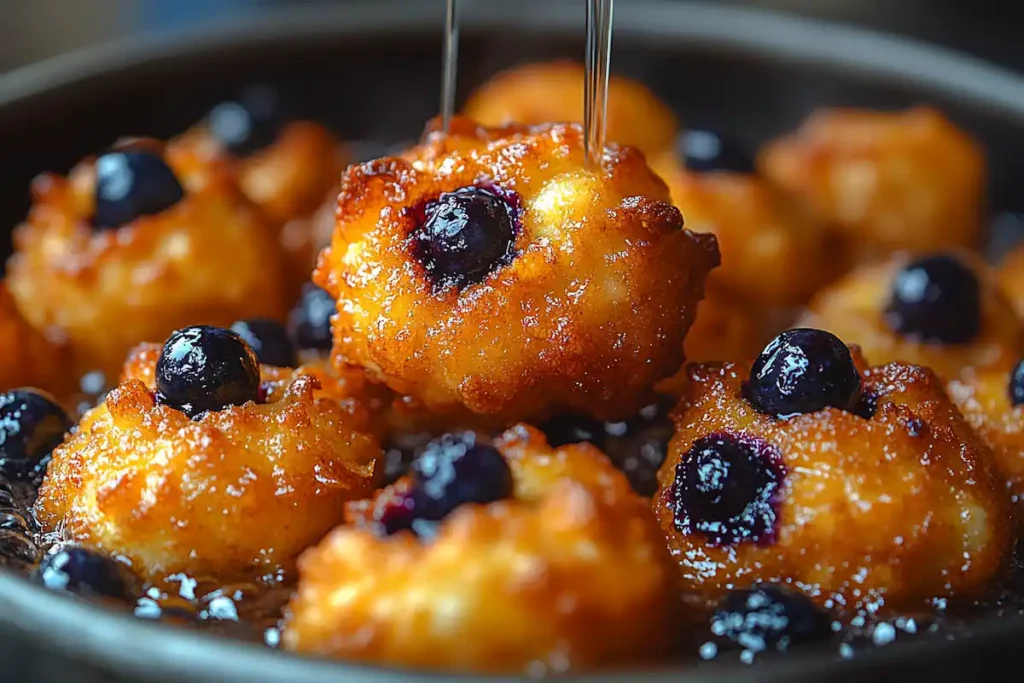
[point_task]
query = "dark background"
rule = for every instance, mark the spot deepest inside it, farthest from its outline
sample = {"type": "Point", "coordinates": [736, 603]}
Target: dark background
{"type": "Point", "coordinates": [31, 30]}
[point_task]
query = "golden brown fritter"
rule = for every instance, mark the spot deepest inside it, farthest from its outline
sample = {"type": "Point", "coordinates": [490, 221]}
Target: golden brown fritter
{"type": "Point", "coordinates": [887, 181]}
{"type": "Point", "coordinates": [291, 180]}
{"type": "Point", "coordinates": [210, 258]}
{"type": "Point", "coordinates": [774, 253]}
{"type": "Point", "coordinates": [574, 293]}
{"type": "Point", "coordinates": [854, 309]}
{"type": "Point", "coordinates": [533, 94]}
{"type": "Point", "coordinates": [985, 401]}
{"type": "Point", "coordinates": [235, 494]}
{"type": "Point", "coordinates": [885, 512]}
{"type": "Point", "coordinates": [570, 574]}
{"type": "Point", "coordinates": [30, 357]}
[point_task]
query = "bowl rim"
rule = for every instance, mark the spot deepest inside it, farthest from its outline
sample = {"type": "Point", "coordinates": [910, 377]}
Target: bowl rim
{"type": "Point", "coordinates": [91, 635]}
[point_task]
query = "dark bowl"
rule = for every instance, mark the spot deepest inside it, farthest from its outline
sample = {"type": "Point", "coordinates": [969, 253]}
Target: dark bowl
{"type": "Point", "coordinates": [372, 71]}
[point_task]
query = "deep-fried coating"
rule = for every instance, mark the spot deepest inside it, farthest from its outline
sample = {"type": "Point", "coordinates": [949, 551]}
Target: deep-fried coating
{"type": "Point", "coordinates": [1011, 278]}
{"type": "Point", "coordinates": [883, 512]}
{"type": "Point", "coordinates": [774, 253]}
{"type": "Point", "coordinates": [30, 357]}
{"type": "Point", "coordinates": [590, 309]}
{"type": "Point", "coordinates": [211, 258]}
{"type": "Point", "coordinates": [887, 181]}
{"type": "Point", "coordinates": [291, 181]}
{"type": "Point", "coordinates": [984, 400]}
{"type": "Point", "coordinates": [539, 93]}
{"type": "Point", "coordinates": [569, 574]}
{"type": "Point", "coordinates": [235, 495]}
{"type": "Point", "coordinates": [853, 309]}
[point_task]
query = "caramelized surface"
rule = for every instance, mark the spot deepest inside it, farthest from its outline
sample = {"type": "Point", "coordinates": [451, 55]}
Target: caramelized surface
{"type": "Point", "coordinates": [854, 310]}
{"type": "Point", "coordinates": [569, 575]}
{"type": "Point", "coordinates": [211, 259]}
{"type": "Point", "coordinates": [887, 181]}
{"type": "Point", "coordinates": [591, 311]}
{"type": "Point", "coordinates": [879, 514]}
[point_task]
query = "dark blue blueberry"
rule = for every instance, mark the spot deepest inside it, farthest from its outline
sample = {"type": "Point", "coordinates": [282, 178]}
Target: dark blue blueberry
{"type": "Point", "coordinates": [204, 368]}
{"type": "Point", "coordinates": [84, 572]}
{"type": "Point", "coordinates": [766, 618]}
{"type": "Point", "coordinates": [803, 371]}
{"type": "Point", "coordinates": [32, 424]}
{"type": "Point", "coordinates": [636, 446]}
{"type": "Point", "coordinates": [450, 471]}
{"type": "Point", "coordinates": [132, 183]}
{"type": "Point", "coordinates": [704, 151]}
{"type": "Point", "coordinates": [310, 320]}
{"type": "Point", "coordinates": [269, 340]}
{"type": "Point", "coordinates": [1017, 384]}
{"type": "Point", "coordinates": [249, 123]}
{"type": "Point", "coordinates": [936, 299]}
{"type": "Point", "coordinates": [465, 235]}
{"type": "Point", "coordinates": [726, 489]}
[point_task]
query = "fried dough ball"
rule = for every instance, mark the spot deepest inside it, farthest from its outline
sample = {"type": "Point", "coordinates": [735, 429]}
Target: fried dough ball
{"type": "Point", "coordinates": [942, 310]}
{"type": "Point", "coordinates": [137, 249]}
{"type": "Point", "coordinates": [533, 94]}
{"type": "Point", "coordinates": [991, 403]}
{"type": "Point", "coordinates": [289, 168]}
{"type": "Point", "coordinates": [887, 181]}
{"type": "Point", "coordinates": [192, 479]}
{"type": "Point", "coordinates": [506, 280]}
{"type": "Point", "coordinates": [30, 357]}
{"type": "Point", "coordinates": [530, 560]}
{"type": "Point", "coordinates": [774, 253]}
{"type": "Point", "coordinates": [878, 505]}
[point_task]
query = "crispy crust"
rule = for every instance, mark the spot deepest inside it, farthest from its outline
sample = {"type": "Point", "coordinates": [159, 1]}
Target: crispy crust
{"type": "Point", "coordinates": [539, 93]}
{"type": "Point", "coordinates": [108, 290]}
{"type": "Point", "coordinates": [237, 494]}
{"type": "Point", "coordinates": [853, 309]}
{"type": "Point", "coordinates": [570, 574]}
{"type": "Point", "coordinates": [887, 181]}
{"type": "Point", "coordinates": [884, 513]}
{"type": "Point", "coordinates": [592, 310]}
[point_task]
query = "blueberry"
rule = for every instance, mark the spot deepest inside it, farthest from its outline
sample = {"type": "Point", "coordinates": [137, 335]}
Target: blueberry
{"type": "Point", "coordinates": [1017, 384]}
{"type": "Point", "coordinates": [936, 299]}
{"type": "Point", "coordinates": [636, 446]}
{"type": "Point", "coordinates": [726, 488]}
{"type": "Point", "coordinates": [84, 572]}
{"type": "Point", "coordinates": [32, 424]}
{"type": "Point", "coordinates": [704, 151]}
{"type": "Point", "coordinates": [132, 183]}
{"type": "Point", "coordinates": [465, 235]}
{"type": "Point", "coordinates": [767, 618]}
{"type": "Point", "coordinates": [205, 368]}
{"type": "Point", "coordinates": [450, 471]}
{"type": "Point", "coordinates": [803, 371]}
{"type": "Point", "coordinates": [249, 123]}
{"type": "Point", "coordinates": [310, 320]}
{"type": "Point", "coordinates": [269, 340]}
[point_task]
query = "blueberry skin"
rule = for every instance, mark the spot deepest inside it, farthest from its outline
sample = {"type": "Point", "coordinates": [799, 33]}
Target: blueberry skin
{"type": "Point", "coordinates": [310, 321]}
{"type": "Point", "coordinates": [450, 471]}
{"type": "Point", "coordinates": [204, 368]}
{"type": "Point", "coordinates": [726, 488]}
{"type": "Point", "coordinates": [269, 340]}
{"type": "Point", "coordinates": [803, 371]}
{"type": "Point", "coordinates": [936, 299]}
{"type": "Point", "coordinates": [32, 424]}
{"type": "Point", "coordinates": [132, 183]}
{"type": "Point", "coordinates": [465, 236]}
{"type": "Point", "coordinates": [84, 572]}
{"type": "Point", "coordinates": [1017, 384]}
{"type": "Point", "coordinates": [251, 122]}
{"type": "Point", "coordinates": [768, 618]}
{"type": "Point", "coordinates": [704, 151]}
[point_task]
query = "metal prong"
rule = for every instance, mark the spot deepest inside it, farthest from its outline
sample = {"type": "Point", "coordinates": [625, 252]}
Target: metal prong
{"type": "Point", "coordinates": [450, 64]}
{"type": "Point", "coordinates": [595, 87]}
